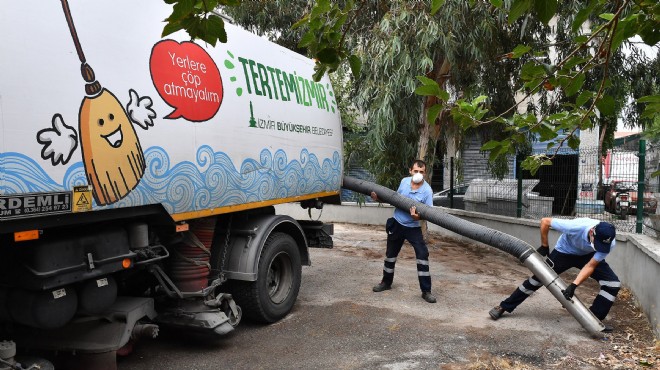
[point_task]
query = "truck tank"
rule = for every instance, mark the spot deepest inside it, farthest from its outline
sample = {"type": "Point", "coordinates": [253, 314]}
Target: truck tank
{"type": "Point", "coordinates": [138, 174]}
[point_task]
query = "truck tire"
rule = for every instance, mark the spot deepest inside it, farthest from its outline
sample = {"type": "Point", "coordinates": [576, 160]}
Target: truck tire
{"type": "Point", "coordinates": [271, 297]}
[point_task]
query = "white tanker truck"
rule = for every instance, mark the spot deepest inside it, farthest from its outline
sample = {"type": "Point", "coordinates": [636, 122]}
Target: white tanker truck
{"type": "Point", "coordinates": [138, 175]}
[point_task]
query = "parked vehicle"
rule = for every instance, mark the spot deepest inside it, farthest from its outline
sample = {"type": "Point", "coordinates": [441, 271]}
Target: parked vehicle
{"type": "Point", "coordinates": [441, 198]}
{"type": "Point", "coordinates": [141, 193]}
{"type": "Point", "coordinates": [621, 198]}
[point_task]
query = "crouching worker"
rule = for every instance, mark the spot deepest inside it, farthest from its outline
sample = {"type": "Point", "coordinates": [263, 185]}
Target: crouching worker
{"type": "Point", "coordinates": [583, 244]}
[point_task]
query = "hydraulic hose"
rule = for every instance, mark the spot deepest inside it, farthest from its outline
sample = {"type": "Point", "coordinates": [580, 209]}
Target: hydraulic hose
{"type": "Point", "coordinates": [494, 238]}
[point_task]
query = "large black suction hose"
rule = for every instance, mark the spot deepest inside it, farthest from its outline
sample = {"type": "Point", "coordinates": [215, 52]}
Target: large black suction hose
{"type": "Point", "coordinates": [505, 242]}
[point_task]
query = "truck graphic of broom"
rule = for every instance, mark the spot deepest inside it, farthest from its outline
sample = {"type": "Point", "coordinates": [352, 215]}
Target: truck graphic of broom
{"type": "Point", "coordinates": [111, 151]}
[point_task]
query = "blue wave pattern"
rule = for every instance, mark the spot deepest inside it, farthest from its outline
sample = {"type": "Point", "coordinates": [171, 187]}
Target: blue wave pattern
{"type": "Point", "coordinates": [212, 182]}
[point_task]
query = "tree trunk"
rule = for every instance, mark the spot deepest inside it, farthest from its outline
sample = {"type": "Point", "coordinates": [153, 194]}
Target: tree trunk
{"type": "Point", "coordinates": [429, 132]}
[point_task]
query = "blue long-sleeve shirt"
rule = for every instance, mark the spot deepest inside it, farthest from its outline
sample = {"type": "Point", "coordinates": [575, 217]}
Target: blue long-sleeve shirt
{"type": "Point", "coordinates": [423, 194]}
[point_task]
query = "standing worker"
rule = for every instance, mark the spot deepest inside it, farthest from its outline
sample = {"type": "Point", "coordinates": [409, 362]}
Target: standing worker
{"type": "Point", "coordinates": [583, 244]}
{"type": "Point", "coordinates": [405, 226]}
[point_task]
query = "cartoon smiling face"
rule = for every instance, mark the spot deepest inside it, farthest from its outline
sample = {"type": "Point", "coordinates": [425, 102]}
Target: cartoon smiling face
{"type": "Point", "coordinates": [113, 157]}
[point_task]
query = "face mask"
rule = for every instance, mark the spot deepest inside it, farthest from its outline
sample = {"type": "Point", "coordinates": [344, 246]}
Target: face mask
{"type": "Point", "coordinates": [417, 178]}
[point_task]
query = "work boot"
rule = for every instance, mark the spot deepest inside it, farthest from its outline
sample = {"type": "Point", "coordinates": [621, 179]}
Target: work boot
{"type": "Point", "coordinates": [381, 286]}
{"type": "Point", "coordinates": [429, 297]}
{"type": "Point", "coordinates": [496, 312]}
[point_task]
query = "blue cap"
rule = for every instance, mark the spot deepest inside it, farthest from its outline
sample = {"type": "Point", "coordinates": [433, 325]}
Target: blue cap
{"type": "Point", "coordinates": [604, 234]}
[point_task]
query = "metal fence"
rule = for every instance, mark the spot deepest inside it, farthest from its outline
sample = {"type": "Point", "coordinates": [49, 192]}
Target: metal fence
{"type": "Point", "coordinates": [618, 187]}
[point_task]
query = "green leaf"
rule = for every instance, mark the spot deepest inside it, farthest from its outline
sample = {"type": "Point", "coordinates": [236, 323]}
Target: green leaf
{"type": "Point", "coordinates": [606, 16]}
{"type": "Point", "coordinates": [518, 8]}
{"type": "Point", "coordinates": [433, 113]}
{"type": "Point", "coordinates": [606, 105]}
{"type": "Point", "coordinates": [428, 90]}
{"type": "Point", "coordinates": [216, 28]}
{"type": "Point", "coordinates": [581, 39]}
{"type": "Point", "coordinates": [575, 85]}
{"type": "Point", "coordinates": [531, 70]}
{"type": "Point", "coordinates": [427, 81]}
{"type": "Point", "coordinates": [520, 50]}
{"type": "Point", "coordinates": [320, 70]}
{"type": "Point", "coordinates": [573, 142]}
{"type": "Point", "coordinates": [649, 32]}
{"type": "Point", "coordinates": [652, 105]}
{"type": "Point", "coordinates": [624, 30]}
{"type": "Point", "coordinates": [328, 55]}
{"type": "Point", "coordinates": [583, 98]}
{"type": "Point", "coordinates": [574, 61]}
{"type": "Point", "coordinates": [479, 99]}
{"type": "Point", "coordinates": [182, 9]}
{"type": "Point", "coordinates": [444, 95]}
{"type": "Point", "coordinates": [649, 99]}
{"type": "Point", "coordinates": [545, 9]}
{"type": "Point", "coordinates": [546, 132]}
{"type": "Point", "coordinates": [492, 144]}
{"type": "Point", "coordinates": [557, 116]}
{"type": "Point", "coordinates": [307, 39]}
{"type": "Point", "coordinates": [322, 6]}
{"type": "Point", "coordinates": [496, 3]}
{"type": "Point", "coordinates": [300, 22]}
{"type": "Point", "coordinates": [436, 5]}
{"type": "Point", "coordinates": [356, 65]}
{"type": "Point", "coordinates": [533, 84]}
{"type": "Point", "coordinates": [170, 28]}
{"type": "Point", "coordinates": [583, 15]}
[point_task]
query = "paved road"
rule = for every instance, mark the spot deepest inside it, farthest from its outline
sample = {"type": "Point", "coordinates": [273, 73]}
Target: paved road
{"type": "Point", "coordinates": [339, 323]}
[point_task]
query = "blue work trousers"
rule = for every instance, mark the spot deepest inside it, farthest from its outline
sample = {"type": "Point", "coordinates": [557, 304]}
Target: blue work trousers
{"type": "Point", "coordinates": [396, 235]}
{"type": "Point", "coordinates": [603, 274]}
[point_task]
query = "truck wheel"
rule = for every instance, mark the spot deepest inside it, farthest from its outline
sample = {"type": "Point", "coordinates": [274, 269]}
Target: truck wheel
{"type": "Point", "coordinates": [272, 296]}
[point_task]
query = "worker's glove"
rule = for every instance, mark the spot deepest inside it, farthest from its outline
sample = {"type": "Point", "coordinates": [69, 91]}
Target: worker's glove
{"type": "Point", "coordinates": [543, 251]}
{"type": "Point", "coordinates": [569, 292]}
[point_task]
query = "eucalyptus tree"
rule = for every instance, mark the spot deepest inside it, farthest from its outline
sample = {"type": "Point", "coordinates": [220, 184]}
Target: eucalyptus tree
{"type": "Point", "coordinates": [272, 19]}
{"type": "Point", "coordinates": [581, 87]}
{"type": "Point", "coordinates": [457, 51]}
{"type": "Point", "coordinates": [590, 76]}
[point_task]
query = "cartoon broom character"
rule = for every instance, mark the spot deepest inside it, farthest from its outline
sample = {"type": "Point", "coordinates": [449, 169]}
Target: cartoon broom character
{"type": "Point", "coordinates": [111, 152]}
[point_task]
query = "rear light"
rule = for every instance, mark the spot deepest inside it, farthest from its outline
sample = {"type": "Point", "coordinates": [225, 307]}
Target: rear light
{"type": "Point", "coordinates": [624, 197]}
{"type": "Point", "coordinates": [21, 236]}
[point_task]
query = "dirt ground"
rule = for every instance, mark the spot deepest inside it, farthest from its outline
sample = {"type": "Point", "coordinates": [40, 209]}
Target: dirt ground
{"type": "Point", "coordinates": [631, 345]}
{"type": "Point", "coordinates": [339, 323]}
